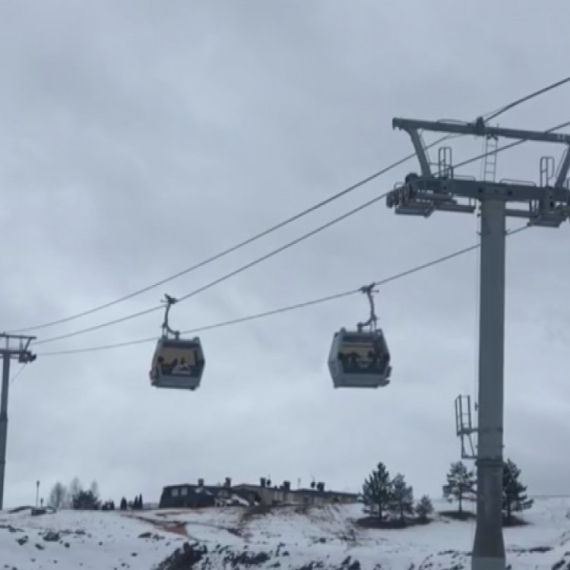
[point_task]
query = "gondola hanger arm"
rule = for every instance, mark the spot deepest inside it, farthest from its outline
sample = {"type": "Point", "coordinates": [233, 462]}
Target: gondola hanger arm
{"type": "Point", "coordinates": [166, 329]}
{"type": "Point", "coordinates": [369, 290]}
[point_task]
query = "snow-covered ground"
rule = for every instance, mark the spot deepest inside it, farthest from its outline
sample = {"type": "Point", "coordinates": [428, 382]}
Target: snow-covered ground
{"type": "Point", "coordinates": [286, 538]}
{"type": "Point", "coordinates": [71, 540]}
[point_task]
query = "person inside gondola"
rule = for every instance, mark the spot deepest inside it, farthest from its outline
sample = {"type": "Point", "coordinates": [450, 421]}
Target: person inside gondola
{"type": "Point", "coordinates": [159, 368]}
{"type": "Point", "coordinates": [181, 368]}
{"type": "Point", "coordinates": [373, 359]}
{"type": "Point", "coordinates": [350, 361]}
{"type": "Point", "coordinates": [167, 367]}
{"type": "Point", "coordinates": [354, 361]}
{"type": "Point", "coordinates": [376, 355]}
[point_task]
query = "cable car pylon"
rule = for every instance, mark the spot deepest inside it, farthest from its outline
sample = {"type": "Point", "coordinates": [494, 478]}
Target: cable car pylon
{"type": "Point", "coordinates": [24, 356]}
{"type": "Point", "coordinates": [548, 205]}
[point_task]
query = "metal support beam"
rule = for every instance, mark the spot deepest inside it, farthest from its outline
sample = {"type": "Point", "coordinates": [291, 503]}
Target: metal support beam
{"type": "Point", "coordinates": [479, 128]}
{"type": "Point", "coordinates": [420, 152]}
{"type": "Point", "coordinates": [552, 204]}
{"type": "Point", "coordinates": [489, 548]}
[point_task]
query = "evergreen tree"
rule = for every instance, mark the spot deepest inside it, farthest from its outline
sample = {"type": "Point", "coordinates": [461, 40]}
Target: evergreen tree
{"type": "Point", "coordinates": [85, 500]}
{"type": "Point", "coordinates": [376, 490]}
{"type": "Point", "coordinates": [401, 498]}
{"type": "Point", "coordinates": [461, 484]}
{"type": "Point", "coordinates": [515, 498]}
{"type": "Point", "coordinates": [424, 508]}
{"type": "Point", "coordinates": [123, 506]}
{"type": "Point", "coordinates": [141, 504]}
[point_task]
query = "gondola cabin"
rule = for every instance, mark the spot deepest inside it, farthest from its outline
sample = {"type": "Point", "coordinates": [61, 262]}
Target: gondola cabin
{"type": "Point", "coordinates": [177, 363]}
{"type": "Point", "coordinates": [359, 359]}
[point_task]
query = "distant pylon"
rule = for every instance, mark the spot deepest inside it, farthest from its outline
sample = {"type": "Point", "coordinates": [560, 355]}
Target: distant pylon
{"type": "Point", "coordinates": [24, 356]}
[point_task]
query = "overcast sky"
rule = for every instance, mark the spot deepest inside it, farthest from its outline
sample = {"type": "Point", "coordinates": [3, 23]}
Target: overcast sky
{"type": "Point", "coordinates": [138, 138]}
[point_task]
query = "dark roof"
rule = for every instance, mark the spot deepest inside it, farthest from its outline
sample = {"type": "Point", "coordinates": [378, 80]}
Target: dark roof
{"type": "Point", "coordinates": [303, 491]}
{"type": "Point", "coordinates": [255, 487]}
{"type": "Point", "coordinates": [193, 487]}
{"type": "Point", "coordinates": [190, 485]}
{"type": "Point", "coordinates": [326, 492]}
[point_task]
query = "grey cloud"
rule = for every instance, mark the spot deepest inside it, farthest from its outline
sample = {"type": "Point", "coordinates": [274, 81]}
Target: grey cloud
{"type": "Point", "coordinates": [139, 139]}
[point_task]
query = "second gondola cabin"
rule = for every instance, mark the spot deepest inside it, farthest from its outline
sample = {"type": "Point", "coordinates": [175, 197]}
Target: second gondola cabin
{"type": "Point", "coordinates": [177, 363]}
{"type": "Point", "coordinates": [359, 359]}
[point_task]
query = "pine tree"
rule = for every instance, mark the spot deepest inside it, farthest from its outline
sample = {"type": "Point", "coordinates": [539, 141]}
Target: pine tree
{"type": "Point", "coordinates": [86, 500]}
{"type": "Point", "coordinates": [123, 505]}
{"type": "Point", "coordinates": [515, 498]}
{"type": "Point", "coordinates": [424, 508]}
{"type": "Point", "coordinates": [461, 484]}
{"type": "Point", "coordinates": [376, 490]}
{"type": "Point", "coordinates": [141, 502]}
{"type": "Point", "coordinates": [401, 498]}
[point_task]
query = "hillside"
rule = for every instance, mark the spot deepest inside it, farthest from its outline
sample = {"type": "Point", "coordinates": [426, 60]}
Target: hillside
{"type": "Point", "coordinates": [324, 538]}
